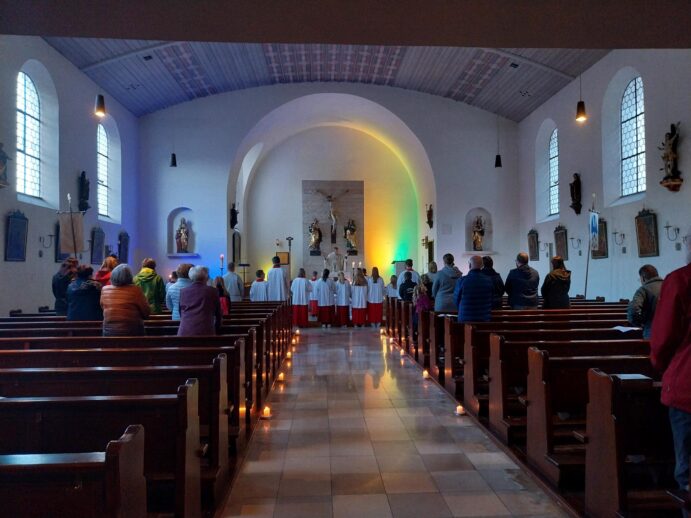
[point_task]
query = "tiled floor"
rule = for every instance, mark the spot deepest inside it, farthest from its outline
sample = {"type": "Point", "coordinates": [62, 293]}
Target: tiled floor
{"type": "Point", "coordinates": [356, 432]}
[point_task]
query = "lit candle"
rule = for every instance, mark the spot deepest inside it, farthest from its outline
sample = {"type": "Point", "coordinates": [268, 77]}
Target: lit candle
{"type": "Point", "coordinates": [293, 341]}
{"type": "Point", "coordinates": [288, 364]}
{"type": "Point", "coordinates": [281, 376]}
{"type": "Point", "coordinates": [402, 363]}
{"type": "Point", "coordinates": [297, 331]}
{"type": "Point", "coordinates": [293, 349]}
{"type": "Point", "coordinates": [391, 340]}
{"type": "Point", "coordinates": [402, 352]}
{"type": "Point", "coordinates": [360, 264]}
{"type": "Point", "coordinates": [266, 413]}
{"type": "Point", "coordinates": [353, 265]}
{"type": "Point", "coordinates": [289, 354]}
{"type": "Point", "coordinates": [425, 374]}
{"type": "Point", "coordinates": [460, 410]}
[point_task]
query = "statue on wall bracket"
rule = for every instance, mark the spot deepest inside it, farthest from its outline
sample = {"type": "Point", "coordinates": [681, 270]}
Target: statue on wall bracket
{"type": "Point", "coordinates": [182, 237]}
{"type": "Point", "coordinates": [84, 188]}
{"type": "Point", "coordinates": [315, 238]}
{"type": "Point", "coordinates": [670, 159]}
{"type": "Point", "coordinates": [478, 233]}
{"type": "Point", "coordinates": [430, 215]}
{"type": "Point", "coordinates": [233, 216]}
{"type": "Point", "coordinates": [575, 188]}
{"type": "Point", "coordinates": [349, 232]}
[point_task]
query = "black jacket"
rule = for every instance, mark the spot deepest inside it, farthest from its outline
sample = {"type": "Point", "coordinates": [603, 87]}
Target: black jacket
{"type": "Point", "coordinates": [405, 291]}
{"type": "Point", "coordinates": [497, 286]}
{"type": "Point", "coordinates": [555, 289]}
{"type": "Point", "coordinates": [521, 286]}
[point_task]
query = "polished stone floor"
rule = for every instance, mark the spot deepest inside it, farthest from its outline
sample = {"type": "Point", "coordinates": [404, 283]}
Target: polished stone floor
{"type": "Point", "coordinates": [356, 432]}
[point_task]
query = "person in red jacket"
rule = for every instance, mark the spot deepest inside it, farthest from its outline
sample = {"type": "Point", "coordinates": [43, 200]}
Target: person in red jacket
{"type": "Point", "coordinates": [670, 353]}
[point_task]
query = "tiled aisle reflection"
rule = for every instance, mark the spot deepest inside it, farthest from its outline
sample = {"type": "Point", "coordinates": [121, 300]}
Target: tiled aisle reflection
{"type": "Point", "coordinates": [358, 433]}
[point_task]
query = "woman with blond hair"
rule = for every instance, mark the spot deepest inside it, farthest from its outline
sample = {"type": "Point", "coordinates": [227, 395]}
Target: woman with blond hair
{"type": "Point", "coordinates": [103, 275]}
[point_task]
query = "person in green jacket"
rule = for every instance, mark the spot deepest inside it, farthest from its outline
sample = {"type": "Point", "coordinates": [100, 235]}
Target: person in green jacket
{"type": "Point", "coordinates": [152, 285]}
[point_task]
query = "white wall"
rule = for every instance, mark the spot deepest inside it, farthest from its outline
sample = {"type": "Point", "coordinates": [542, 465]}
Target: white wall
{"type": "Point", "coordinates": [666, 78]}
{"type": "Point", "coordinates": [27, 285]}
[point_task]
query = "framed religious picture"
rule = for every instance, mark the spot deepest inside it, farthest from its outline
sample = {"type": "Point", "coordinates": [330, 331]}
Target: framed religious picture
{"type": "Point", "coordinates": [646, 234]}
{"type": "Point", "coordinates": [98, 239]}
{"type": "Point", "coordinates": [561, 242]}
{"type": "Point", "coordinates": [533, 245]}
{"type": "Point", "coordinates": [15, 236]}
{"type": "Point", "coordinates": [123, 246]}
{"type": "Point", "coordinates": [59, 256]}
{"type": "Point", "coordinates": [602, 251]}
{"type": "Point", "coordinates": [284, 257]}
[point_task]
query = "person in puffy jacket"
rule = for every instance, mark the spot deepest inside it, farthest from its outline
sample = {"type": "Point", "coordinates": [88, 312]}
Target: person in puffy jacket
{"type": "Point", "coordinates": [152, 285]}
{"type": "Point", "coordinates": [84, 296]}
{"type": "Point", "coordinates": [555, 288]}
{"type": "Point", "coordinates": [521, 284]}
{"type": "Point", "coordinates": [473, 294]}
{"type": "Point", "coordinates": [61, 281]}
{"type": "Point", "coordinates": [124, 305]}
{"type": "Point", "coordinates": [443, 286]}
{"type": "Point", "coordinates": [497, 282]}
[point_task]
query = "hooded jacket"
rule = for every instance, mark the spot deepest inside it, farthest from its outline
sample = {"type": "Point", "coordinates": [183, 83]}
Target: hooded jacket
{"type": "Point", "coordinates": [555, 289]}
{"type": "Point", "coordinates": [84, 300]}
{"type": "Point", "coordinates": [153, 288]}
{"type": "Point", "coordinates": [521, 286]}
{"type": "Point", "coordinates": [442, 289]}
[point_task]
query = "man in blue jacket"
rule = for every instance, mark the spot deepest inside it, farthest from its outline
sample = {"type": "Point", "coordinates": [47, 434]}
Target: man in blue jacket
{"type": "Point", "coordinates": [521, 284]}
{"type": "Point", "coordinates": [473, 294]}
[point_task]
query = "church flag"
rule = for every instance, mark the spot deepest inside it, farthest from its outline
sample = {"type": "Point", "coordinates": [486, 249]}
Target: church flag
{"type": "Point", "coordinates": [594, 231]}
{"type": "Point", "coordinates": [71, 232]}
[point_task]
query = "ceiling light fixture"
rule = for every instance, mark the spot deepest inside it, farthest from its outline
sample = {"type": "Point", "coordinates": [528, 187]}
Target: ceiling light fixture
{"type": "Point", "coordinates": [173, 160]}
{"type": "Point", "coordinates": [100, 107]}
{"type": "Point", "coordinates": [497, 159]}
{"type": "Point", "coordinates": [581, 116]}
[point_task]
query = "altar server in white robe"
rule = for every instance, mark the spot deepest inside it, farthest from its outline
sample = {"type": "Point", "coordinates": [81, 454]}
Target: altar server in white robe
{"type": "Point", "coordinates": [278, 287]}
{"type": "Point", "coordinates": [375, 298]}
{"type": "Point", "coordinates": [300, 289]}
{"type": "Point", "coordinates": [258, 291]}
{"type": "Point", "coordinates": [234, 284]}
{"type": "Point", "coordinates": [325, 291]}
{"type": "Point", "coordinates": [342, 300]}
{"type": "Point", "coordinates": [359, 299]}
{"type": "Point", "coordinates": [314, 307]}
{"type": "Point", "coordinates": [408, 268]}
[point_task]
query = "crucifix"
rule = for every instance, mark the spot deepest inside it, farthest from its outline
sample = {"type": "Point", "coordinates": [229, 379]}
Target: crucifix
{"type": "Point", "coordinates": [332, 215]}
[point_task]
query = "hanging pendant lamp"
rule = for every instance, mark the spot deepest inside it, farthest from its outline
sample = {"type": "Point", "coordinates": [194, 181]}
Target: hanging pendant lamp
{"type": "Point", "coordinates": [497, 158]}
{"type": "Point", "coordinates": [100, 107]}
{"type": "Point", "coordinates": [581, 115]}
{"type": "Point", "coordinates": [173, 160]}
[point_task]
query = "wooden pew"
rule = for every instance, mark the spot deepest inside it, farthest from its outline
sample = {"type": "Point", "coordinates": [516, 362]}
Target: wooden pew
{"type": "Point", "coordinates": [437, 353]}
{"type": "Point", "coordinates": [84, 424]}
{"type": "Point", "coordinates": [556, 409]}
{"type": "Point", "coordinates": [508, 373]}
{"type": "Point", "coordinates": [629, 458]}
{"type": "Point", "coordinates": [453, 344]}
{"type": "Point", "coordinates": [422, 344]}
{"type": "Point", "coordinates": [106, 483]}
{"type": "Point", "coordinates": [411, 333]}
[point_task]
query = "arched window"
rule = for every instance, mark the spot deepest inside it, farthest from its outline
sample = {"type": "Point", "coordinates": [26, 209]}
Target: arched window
{"type": "Point", "coordinates": [632, 139]}
{"type": "Point", "coordinates": [28, 137]}
{"type": "Point", "coordinates": [102, 170]}
{"type": "Point", "coordinates": [554, 173]}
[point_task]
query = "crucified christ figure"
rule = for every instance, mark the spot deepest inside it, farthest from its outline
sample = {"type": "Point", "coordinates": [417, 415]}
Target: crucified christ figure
{"type": "Point", "coordinates": [332, 214]}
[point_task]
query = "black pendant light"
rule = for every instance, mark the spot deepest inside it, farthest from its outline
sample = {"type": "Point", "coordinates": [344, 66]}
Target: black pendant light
{"type": "Point", "coordinates": [100, 107]}
{"type": "Point", "coordinates": [497, 159]}
{"type": "Point", "coordinates": [173, 160]}
{"type": "Point", "coordinates": [581, 116]}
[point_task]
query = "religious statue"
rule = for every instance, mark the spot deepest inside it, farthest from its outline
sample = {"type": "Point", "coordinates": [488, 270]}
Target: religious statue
{"type": "Point", "coordinates": [233, 216]}
{"type": "Point", "coordinates": [4, 157]}
{"type": "Point", "coordinates": [478, 233]}
{"type": "Point", "coordinates": [670, 159]}
{"type": "Point", "coordinates": [315, 237]}
{"type": "Point", "coordinates": [84, 192]}
{"type": "Point", "coordinates": [349, 231]}
{"type": "Point", "coordinates": [575, 188]}
{"type": "Point", "coordinates": [430, 216]}
{"type": "Point", "coordinates": [332, 214]}
{"type": "Point", "coordinates": [182, 237]}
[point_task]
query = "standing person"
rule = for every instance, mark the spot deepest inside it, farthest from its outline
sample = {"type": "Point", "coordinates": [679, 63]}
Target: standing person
{"type": "Point", "coordinates": [432, 271]}
{"type": "Point", "coordinates": [61, 280]}
{"type": "Point", "coordinates": [84, 296]}
{"type": "Point", "coordinates": [473, 294]}
{"type": "Point", "coordinates": [124, 305]}
{"type": "Point", "coordinates": [359, 299]}
{"type": "Point", "coordinates": [415, 277]}
{"type": "Point", "coordinates": [314, 307]}
{"type": "Point", "coordinates": [522, 283]}
{"type": "Point", "coordinates": [173, 295]}
{"type": "Point", "coordinates": [392, 287]}
{"type": "Point", "coordinates": [152, 285]}
{"type": "Point", "coordinates": [300, 290]}
{"type": "Point", "coordinates": [324, 290]}
{"type": "Point", "coordinates": [375, 298]}
{"type": "Point", "coordinates": [343, 294]}
{"type": "Point", "coordinates": [258, 290]}
{"type": "Point", "coordinates": [407, 287]}
{"type": "Point", "coordinates": [642, 307]}
{"type": "Point", "coordinates": [200, 307]}
{"type": "Point", "coordinates": [497, 282]}
{"type": "Point", "coordinates": [555, 288]}
{"type": "Point", "coordinates": [670, 353]}
{"type": "Point", "coordinates": [172, 279]}
{"type": "Point", "coordinates": [277, 283]}
{"type": "Point", "coordinates": [223, 297]}
{"type": "Point", "coordinates": [103, 275]}
{"type": "Point", "coordinates": [422, 302]}
{"type": "Point", "coordinates": [234, 284]}
{"type": "Point", "coordinates": [444, 285]}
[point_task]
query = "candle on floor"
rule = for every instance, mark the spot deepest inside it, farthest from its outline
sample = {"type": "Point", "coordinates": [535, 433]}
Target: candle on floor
{"type": "Point", "coordinates": [402, 352]}
{"type": "Point", "coordinates": [391, 340]}
{"type": "Point", "coordinates": [297, 331]}
{"type": "Point", "coordinates": [460, 410]}
{"type": "Point", "coordinates": [293, 349]}
{"type": "Point", "coordinates": [289, 354]}
{"type": "Point", "coordinates": [281, 376]}
{"type": "Point", "coordinates": [425, 374]}
{"type": "Point", "coordinates": [266, 413]}
{"type": "Point", "coordinates": [294, 341]}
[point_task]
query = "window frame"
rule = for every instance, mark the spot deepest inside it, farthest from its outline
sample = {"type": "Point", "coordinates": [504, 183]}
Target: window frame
{"type": "Point", "coordinates": [102, 162]}
{"type": "Point", "coordinates": [639, 127]}
{"type": "Point", "coordinates": [21, 147]}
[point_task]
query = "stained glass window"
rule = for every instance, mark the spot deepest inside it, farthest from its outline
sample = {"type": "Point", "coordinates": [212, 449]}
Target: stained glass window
{"type": "Point", "coordinates": [28, 137]}
{"type": "Point", "coordinates": [632, 139]}
{"type": "Point", "coordinates": [102, 170]}
{"type": "Point", "coordinates": [554, 173]}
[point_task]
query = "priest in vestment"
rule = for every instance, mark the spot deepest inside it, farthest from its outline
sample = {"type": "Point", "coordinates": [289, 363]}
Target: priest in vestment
{"type": "Point", "coordinates": [277, 283]}
{"type": "Point", "coordinates": [335, 261]}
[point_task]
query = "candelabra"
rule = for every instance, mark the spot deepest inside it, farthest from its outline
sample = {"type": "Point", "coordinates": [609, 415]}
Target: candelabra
{"type": "Point", "coordinates": [618, 242]}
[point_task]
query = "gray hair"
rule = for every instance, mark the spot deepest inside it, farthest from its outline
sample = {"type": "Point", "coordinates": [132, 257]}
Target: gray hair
{"type": "Point", "coordinates": [121, 275]}
{"type": "Point", "coordinates": [199, 274]}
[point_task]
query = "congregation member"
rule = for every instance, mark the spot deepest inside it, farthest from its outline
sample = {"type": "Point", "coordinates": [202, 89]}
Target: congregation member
{"type": "Point", "coordinates": [444, 285]}
{"type": "Point", "coordinates": [521, 284]}
{"type": "Point", "coordinates": [277, 283]}
{"type": "Point", "coordinates": [670, 353]}
{"type": "Point", "coordinates": [422, 302]}
{"type": "Point", "coordinates": [84, 296]}
{"type": "Point", "coordinates": [258, 290]}
{"type": "Point", "coordinates": [343, 294]}
{"type": "Point", "coordinates": [325, 290]}
{"type": "Point", "coordinates": [222, 293]}
{"type": "Point", "coordinates": [375, 298]}
{"type": "Point", "coordinates": [359, 299]}
{"type": "Point", "coordinates": [61, 280]}
{"type": "Point", "coordinates": [407, 287]}
{"type": "Point", "coordinates": [642, 307]}
{"type": "Point", "coordinates": [234, 284]}
{"type": "Point", "coordinates": [555, 288]}
{"type": "Point", "coordinates": [432, 270]}
{"type": "Point", "coordinates": [151, 285]}
{"type": "Point", "coordinates": [200, 307]}
{"type": "Point", "coordinates": [497, 282]}
{"type": "Point", "coordinates": [173, 295]}
{"type": "Point", "coordinates": [300, 290]}
{"type": "Point", "coordinates": [408, 268]}
{"type": "Point", "coordinates": [314, 308]}
{"type": "Point", "coordinates": [392, 287]}
{"type": "Point", "coordinates": [124, 305]}
{"type": "Point", "coordinates": [473, 294]}
{"type": "Point", "coordinates": [103, 274]}
{"type": "Point", "coordinates": [172, 279]}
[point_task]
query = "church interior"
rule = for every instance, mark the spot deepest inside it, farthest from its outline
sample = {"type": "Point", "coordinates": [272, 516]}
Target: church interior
{"type": "Point", "coordinates": [345, 137]}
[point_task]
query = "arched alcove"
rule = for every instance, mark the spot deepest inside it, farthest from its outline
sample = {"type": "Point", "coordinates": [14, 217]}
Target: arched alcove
{"type": "Point", "coordinates": [175, 217]}
{"type": "Point", "coordinates": [478, 226]}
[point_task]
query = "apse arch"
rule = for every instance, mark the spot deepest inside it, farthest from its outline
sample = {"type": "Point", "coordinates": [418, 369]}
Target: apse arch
{"type": "Point", "coordinates": [333, 109]}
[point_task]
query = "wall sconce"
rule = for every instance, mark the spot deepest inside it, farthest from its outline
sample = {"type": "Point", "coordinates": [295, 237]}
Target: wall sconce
{"type": "Point", "coordinates": [43, 239]}
{"type": "Point", "coordinates": [618, 241]}
{"type": "Point", "coordinates": [575, 242]}
{"type": "Point", "coordinates": [278, 243]}
{"type": "Point", "coordinates": [544, 247]}
{"type": "Point", "coordinates": [672, 232]}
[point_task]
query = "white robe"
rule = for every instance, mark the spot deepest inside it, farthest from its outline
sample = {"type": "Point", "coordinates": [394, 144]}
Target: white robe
{"type": "Point", "coordinates": [401, 277]}
{"type": "Point", "coordinates": [277, 284]}
{"type": "Point", "coordinates": [375, 291]}
{"type": "Point", "coordinates": [300, 289]}
{"type": "Point", "coordinates": [324, 291]}
{"type": "Point", "coordinates": [391, 292]}
{"type": "Point", "coordinates": [343, 293]}
{"type": "Point", "coordinates": [359, 297]}
{"type": "Point", "coordinates": [235, 286]}
{"type": "Point", "coordinates": [313, 293]}
{"type": "Point", "coordinates": [258, 292]}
